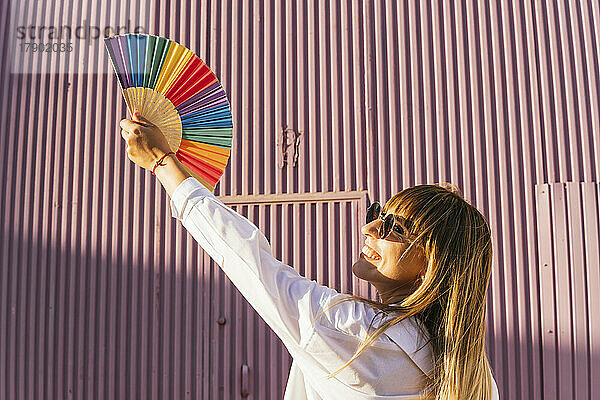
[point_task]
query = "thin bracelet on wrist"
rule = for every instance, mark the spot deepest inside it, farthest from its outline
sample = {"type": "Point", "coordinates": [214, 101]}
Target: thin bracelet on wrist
{"type": "Point", "coordinates": [159, 162]}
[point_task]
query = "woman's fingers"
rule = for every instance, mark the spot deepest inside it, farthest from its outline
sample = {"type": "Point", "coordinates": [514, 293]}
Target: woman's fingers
{"type": "Point", "coordinates": [133, 126]}
{"type": "Point", "coordinates": [141, 120]}
{"type": "Point", "coordinates": [130, 126]}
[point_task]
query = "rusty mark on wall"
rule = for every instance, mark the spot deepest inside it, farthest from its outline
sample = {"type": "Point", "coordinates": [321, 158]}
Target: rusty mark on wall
{"type": "Point", "coordinates": [288, 144]}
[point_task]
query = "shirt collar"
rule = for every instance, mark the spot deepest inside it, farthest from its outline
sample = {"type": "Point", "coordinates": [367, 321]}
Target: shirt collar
{"type": "Point", "coordinates": [409, 337]}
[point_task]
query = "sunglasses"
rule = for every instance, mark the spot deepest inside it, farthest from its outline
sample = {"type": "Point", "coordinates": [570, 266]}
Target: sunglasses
{"type": "Point", "coordinates": [389, 222]}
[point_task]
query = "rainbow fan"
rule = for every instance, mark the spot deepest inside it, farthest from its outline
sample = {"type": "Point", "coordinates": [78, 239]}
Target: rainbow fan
{"type": "Point", "coordinates": [178, 92]}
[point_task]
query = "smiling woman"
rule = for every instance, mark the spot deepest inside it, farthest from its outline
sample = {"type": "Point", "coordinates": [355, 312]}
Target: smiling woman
{"type": "Point", "coordinates": [434, 265]}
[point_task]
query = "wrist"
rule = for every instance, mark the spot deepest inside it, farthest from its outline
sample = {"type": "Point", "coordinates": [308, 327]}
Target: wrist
{"type": "Point", "coordinates": [164, 162]}
{"type": "Point", "coordinates": [172, 173]}
{"type": "Point", "coordinates": [160, 159]}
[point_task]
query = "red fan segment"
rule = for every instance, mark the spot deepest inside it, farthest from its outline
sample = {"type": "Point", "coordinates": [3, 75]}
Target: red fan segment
{"type": "Point", "coordinates": [193, 78]}
{"type": "Point", "coordinates": [200, 167]}
{"type": "Point", "coordinates": [189, 71]}
{"type": "Point", "coordinates": [194, 89]}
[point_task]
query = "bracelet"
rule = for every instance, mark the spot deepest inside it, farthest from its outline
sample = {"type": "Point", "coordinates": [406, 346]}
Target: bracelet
{"type": "Point", "coordinates": [159, 162]}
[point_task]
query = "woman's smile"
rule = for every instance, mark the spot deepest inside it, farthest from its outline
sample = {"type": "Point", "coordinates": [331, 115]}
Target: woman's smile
{"type": "Point", "coordinates": [370, 253]}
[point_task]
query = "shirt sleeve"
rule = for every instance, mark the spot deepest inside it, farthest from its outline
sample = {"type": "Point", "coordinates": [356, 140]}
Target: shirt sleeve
{"type": "Point", "coordinates": [287, 301]}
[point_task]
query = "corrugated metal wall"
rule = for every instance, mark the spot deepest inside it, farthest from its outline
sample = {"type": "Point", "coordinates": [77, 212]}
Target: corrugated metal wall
{"type": "Point", "coordinates": [103, 295]}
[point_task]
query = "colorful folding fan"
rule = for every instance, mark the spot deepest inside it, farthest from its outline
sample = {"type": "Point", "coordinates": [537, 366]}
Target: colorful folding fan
{"type": "Point", "coordinates": [178, 92]}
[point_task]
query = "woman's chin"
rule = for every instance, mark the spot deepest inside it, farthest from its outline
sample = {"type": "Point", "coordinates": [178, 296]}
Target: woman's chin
{"type": "Point", "coordinates": [362, 269]}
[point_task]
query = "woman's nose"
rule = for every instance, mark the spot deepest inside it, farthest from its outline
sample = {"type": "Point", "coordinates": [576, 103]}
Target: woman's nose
{"type": "Point", "coordinates": [371, 229]}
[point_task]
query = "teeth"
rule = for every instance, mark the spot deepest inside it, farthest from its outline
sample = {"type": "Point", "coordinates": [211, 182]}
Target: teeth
{"type": "Point", "coordinates": [370, 253]}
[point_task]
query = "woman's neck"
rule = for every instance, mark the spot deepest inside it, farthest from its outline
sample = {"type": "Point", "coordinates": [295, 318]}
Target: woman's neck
{"type": "Point", "coordinates": [392, 295]}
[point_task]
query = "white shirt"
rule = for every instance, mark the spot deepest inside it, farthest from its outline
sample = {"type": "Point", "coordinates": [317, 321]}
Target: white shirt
{"type": "Point", "coordinates": [393, 367]}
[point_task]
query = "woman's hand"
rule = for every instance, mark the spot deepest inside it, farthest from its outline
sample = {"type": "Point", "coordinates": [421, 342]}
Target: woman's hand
{"type": "Point", "coordinates": [145, 142]}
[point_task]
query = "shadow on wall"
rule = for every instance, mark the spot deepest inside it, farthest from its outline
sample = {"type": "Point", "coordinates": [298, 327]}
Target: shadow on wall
{"type": "Point", "coordinates": [77, 325]}
{"type": "Point", "coordinates": [568, 374]}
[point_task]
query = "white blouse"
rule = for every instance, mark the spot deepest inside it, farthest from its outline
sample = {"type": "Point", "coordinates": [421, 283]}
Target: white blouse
{"type": "Point", "coordinates": [393, 367]}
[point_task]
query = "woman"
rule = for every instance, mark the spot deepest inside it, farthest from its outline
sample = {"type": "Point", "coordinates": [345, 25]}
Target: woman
{"type": "Point", "coordinates": [428, 253]}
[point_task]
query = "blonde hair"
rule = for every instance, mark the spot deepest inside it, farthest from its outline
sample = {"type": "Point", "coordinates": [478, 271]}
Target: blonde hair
{"type": "Point", "coordinates": [450, 302]}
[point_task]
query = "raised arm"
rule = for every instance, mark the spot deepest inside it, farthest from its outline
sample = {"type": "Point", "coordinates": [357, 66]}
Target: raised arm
{"type": "Point", "coordinates": [286, 301]}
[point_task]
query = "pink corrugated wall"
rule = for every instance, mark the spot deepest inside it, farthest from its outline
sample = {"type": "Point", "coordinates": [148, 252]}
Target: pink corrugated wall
{"type": "Point", "coordinates": [335, 104]}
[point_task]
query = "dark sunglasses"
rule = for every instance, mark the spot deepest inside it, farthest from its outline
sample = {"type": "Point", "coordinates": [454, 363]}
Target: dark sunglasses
{"type": "Point", "coordinates": [389, 222]}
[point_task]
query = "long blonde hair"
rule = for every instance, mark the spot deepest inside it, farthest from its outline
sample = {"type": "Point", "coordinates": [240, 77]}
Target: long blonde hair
{"type": "Point", "coordinates": [450, 301]}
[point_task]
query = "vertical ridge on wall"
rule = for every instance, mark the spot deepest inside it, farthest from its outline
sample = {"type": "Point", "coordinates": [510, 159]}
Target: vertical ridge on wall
{"type": "Point", "coordinates": [4, 155]}
{"type": "Point", "coordinates": [526, 254]}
